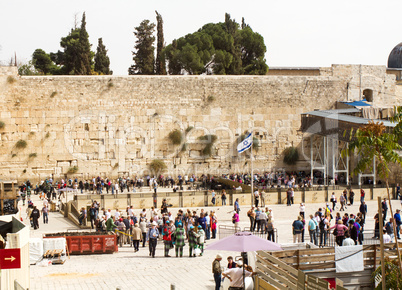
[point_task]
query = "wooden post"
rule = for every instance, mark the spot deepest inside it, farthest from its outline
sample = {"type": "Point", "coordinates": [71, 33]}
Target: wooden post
{"type": "Point", "coordinates": [381, 228]}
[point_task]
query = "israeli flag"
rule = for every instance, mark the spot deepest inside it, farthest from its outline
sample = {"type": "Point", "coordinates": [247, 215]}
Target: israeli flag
{"type": "Point", "coordinates": [245, 144]}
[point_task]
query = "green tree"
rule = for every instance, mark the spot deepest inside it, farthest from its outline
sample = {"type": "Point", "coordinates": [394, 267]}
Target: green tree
{"type": "Point", "coordinates": [372, 142]}
{"type": "Point", "coordinates": [102, 61]}
{"type": "Point", "coordinates": [27, 69]}
{"type": "Point", "coordinates": [77, 58]}
{"type": "Point", "coordinates": [160, 65]}
{"type": "Point", "coordinates": [42, 62]}
{"type": "Point", "coordinates": [218, 48]}
{"type": "Point", "coordinates": [143, 56]}
{"type": "Point", "coordinates": [85, 60]}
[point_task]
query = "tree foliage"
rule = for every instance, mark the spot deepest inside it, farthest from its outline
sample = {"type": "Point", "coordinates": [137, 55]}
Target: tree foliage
{"type": "Point", "coordinates": [102, 61]}
{"type": "Point", "coordinates": [75, 59]}
{"type": "Point", "coordinates": [291, 155]}
{"type": "Point", "coordinates": [218, 48]}
{"type": "Point", "coordinates": [372, 141]}
{"type": "Point", "coordinates": [160, 65]}
{"type": "Point", "coordinates": [27, 69]}
{"type": "Point", "coordinates": [143, 56]}
{"type": "Point", "coordinates": [157, 166]}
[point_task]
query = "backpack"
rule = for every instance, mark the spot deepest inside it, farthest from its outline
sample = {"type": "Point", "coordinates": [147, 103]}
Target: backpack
{"type": "Point", "coordinates": [92, 212]}
{"type": "Point", "coordinates": [322, 224]}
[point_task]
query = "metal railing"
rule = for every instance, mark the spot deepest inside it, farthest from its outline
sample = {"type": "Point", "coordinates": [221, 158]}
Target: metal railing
{"type": "Point", "coordinates": [368, 239]}
{"type": "Point", "coordinates": [226, 231]}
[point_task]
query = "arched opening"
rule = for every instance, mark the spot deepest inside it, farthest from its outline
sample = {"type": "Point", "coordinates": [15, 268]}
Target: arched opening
{"type": "Point", "coordinates": [368, 95]}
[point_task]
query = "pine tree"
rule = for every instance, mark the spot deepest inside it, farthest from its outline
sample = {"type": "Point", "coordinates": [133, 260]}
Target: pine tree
{"type": "Point", "coordinates": [143, 56]}
{"type": "Point", "coordinates": [102, 61]}
{"type": "Point", "coordinates": [160, 66]}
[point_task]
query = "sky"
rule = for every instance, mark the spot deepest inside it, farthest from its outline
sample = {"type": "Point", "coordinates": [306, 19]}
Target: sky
{"type": "Point", "coordinates": [309, 33]}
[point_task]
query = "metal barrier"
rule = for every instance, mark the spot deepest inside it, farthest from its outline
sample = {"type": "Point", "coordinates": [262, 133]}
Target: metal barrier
{"type": "Point", "coordinates": [263, 234]}
{"type": "Point", "coordinates": [368, 238]}
{"type": "Point", "coordinates": [226, 231]}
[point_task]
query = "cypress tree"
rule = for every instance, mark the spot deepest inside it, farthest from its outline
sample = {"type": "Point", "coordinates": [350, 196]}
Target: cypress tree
{"type": "Point", "coordinates": [160, 66]}
{"type": "Point", "coordinates": [102, 61]}
{"type": "Point", "coordinates": [85, 60]}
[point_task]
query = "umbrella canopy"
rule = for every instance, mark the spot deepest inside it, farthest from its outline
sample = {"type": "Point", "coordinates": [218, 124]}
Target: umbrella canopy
{"type": "Point", "coordinates": [244, 242]}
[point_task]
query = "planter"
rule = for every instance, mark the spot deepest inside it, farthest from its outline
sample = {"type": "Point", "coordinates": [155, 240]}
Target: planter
{"type": "Point", "coordinates": [88, 242]}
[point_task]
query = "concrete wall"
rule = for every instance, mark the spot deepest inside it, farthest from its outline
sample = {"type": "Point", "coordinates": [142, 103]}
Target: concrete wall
{"type": "Point", "coordinates": [111, 126]}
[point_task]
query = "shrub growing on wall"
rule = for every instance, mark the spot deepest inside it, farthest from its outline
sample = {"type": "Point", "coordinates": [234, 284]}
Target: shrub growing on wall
{"type": "Point", "coordinates": [209, 140]}
{"type": "Point", "coordinates": [21, 144]}
{"type": "Point", "coordinates": [175, 137]}
{"type": "Point", "coordinates": [72, 170]}
{"type": "Point", "coordinates": [157, 166]}
{"type": "Point", "coordinates": [291, 155]}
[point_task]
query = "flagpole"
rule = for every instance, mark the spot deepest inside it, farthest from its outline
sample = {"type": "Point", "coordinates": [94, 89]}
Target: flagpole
{"type": "Point", "coordinates": [252, 175]}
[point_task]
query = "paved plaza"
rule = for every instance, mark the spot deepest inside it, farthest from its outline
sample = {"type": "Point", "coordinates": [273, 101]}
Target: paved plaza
{"type": "Point", "coordinates": [129, 270]}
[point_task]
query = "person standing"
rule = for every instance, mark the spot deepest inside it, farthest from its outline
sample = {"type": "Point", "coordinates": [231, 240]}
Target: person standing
{"type": "Point", "coordinates": [235, 220]}
{"type": "Point", "coordinates": [179, 239]}
{"type": "Point", "coordinates": [192, 241]}
{"type": "Point", "coordinates": [35, 215]}
{"type": "Point", "coordinates": [237, 206]}
{"type": "Point", "coordinates": [351, 196]}
{"type": "Point", "coordinates": [45, 214]}
{"type": "Point", "coordinates": [167, 238]}
{"type": "Point", "coordinates": [312, 228]}
{"type": "Point", "coordinates": [362, 195]}
{"type": "Point", "coordinates": [297, 227]}
{"type": "Point", "coordinates": [223, 197]}
{"type": "Point", "coordinates": [340, 232]}
{"type": "Point", "coordinates": [384, 210]}
{"type": "Point", "coordinates": [270, 230]}
{"type": "Point", "coordinates": [217, 271]}
{"type": "Point", "coordinates": [137, 237]}
{"type": "Point", "coordinates": [153, 234]}
{"type": "Point", "coordinates": [251, 216]}
{"type": "Point", "coordinates": [333, 200]}
{"type": "Point", "coordinates": [200, 239]}
{"type": "Point", "coordinates": [256, 198]}
{"type": "Point", "coordinates": [288, 197]}
{"type": "Point", "coordinates": [213, 200]}
{"type": "Point", "coordinates": [342, 201]}
{"type": "Point", "coordinates": [92, 215]}
{"type": "Point", "coordinates": [263, 221]}
{"type": "Point", "coordinates": [214, 221]}
{"type": "Point", "coordinates": [143, 227]}
{"type": "Point", "coordinates": [398, 221]}
{"type": "Point", "coordinates": [363, 210]}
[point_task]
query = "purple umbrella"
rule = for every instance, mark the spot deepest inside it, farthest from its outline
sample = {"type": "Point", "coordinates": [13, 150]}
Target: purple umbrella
{"type": "Point", "coordinates": [244, 242]}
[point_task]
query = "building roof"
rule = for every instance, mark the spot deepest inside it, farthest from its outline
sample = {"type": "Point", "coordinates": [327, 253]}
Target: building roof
{"type": "Point", "coordinates": [395, 57]}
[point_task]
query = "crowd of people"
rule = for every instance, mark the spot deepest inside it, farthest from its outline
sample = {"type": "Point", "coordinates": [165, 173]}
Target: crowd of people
{"type": "Point", "coordinates": [153, 225]}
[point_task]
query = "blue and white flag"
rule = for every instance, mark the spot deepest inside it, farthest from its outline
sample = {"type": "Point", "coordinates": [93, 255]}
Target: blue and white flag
{"type": "Point", "coordinates": [245, 144]}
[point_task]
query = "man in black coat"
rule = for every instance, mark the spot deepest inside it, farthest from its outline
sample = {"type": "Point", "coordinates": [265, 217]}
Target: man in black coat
{"type": "Point", "coordinates": [363, 210]}
{"type": "Point", "coordinates": [35, 215]}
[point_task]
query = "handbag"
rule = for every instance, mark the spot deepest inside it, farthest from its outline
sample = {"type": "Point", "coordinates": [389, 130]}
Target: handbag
{"type": "Point", "coordinates": [335, 232]}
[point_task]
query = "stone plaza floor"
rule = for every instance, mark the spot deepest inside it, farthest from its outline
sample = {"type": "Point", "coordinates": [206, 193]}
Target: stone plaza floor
{"type": "Point", "coordinates": [129, 270]}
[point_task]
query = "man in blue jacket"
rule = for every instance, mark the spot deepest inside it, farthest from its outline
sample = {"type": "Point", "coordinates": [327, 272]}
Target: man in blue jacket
{"type": "Point", "coordinates": [397, 217]}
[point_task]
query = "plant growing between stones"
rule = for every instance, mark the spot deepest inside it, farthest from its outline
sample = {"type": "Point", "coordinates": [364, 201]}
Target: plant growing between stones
{"type": "Point", "coordinates": [188, 129]}
{"type": "Point", "coordinates": [2, 124]}
{"type": "Point", "coordinates": [13, 155]}
{"type": "Point", "coordinates": [210, 98]}
{"type": "Point", "coordinates": [110, 85]}
{"type": "Point", "coordinates": [175, 137]}
{"type": "Point", "coordinates": [33, 155]}
{"type": "Point", "coordinates": [47, 135]}
{"type": "Point", "coordinates": [24, 171]}
{"type": "Point", "coordinates": [157, 166]}
{"type": "Point", "coordinates": [291, 155]}
{"type": "Point", "coordinates": [209, 141]}
{"type": "Point", "coordinates": [11, 79]}
{"type": "Point", "coordinates": [72, 170]}
{"type": "Point", "coordinates": [53, 94]}
{"type": "Point", "coordinates": [21, 144]}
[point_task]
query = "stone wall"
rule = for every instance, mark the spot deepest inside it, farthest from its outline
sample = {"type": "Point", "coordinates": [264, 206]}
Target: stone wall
{"type": "Point", "coordinates": [117, 125]}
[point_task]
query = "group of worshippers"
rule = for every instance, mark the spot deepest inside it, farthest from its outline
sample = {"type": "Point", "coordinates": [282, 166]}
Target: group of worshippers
{"type": "Point", "coordinates": [152, 226]}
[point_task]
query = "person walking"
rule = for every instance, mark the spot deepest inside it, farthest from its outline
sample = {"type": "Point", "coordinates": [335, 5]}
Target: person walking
{"type": "Point", "coordinates": [45, 214]}
{"type": "Point", "coordinates": [270, 230]}
{"type": "Point", "coordinates": [35, 215]}
{"type": "Point", "coordinates": [192, 241]}
{"type": "Point", "coordinates": [384, 210]}
{"type": "Point", "coordinates": [363, 210]}
{"type": "Point", "coordinates": [333, 200]}
{"type": "Point", "coordinates": [217, 271]}
{"type": "Point", "coordinates": [237, 206]}
{"type": "Point", "coordinates": [167, 238]}
{"type": "Point", "coordinates": [153, 235]}
{"type": "Point", "coordinates": [137, 237]}
{"type": "Point", "coordinates": [351, 196]}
